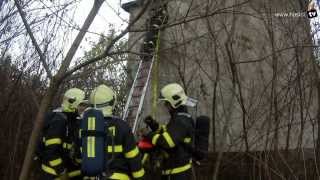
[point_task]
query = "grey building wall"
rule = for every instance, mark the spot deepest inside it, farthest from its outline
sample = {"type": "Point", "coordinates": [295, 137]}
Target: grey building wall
{"type": "Point", "coordinates": [204, 48]}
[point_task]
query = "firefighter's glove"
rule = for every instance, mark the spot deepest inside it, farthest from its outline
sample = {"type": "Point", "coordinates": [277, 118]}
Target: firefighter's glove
{"type": "Point", "coordinates": [153, 124]}
{"type": "Point", "coordinates": [142, 132]}
{"type": "Point", "coordinates": [63, 176]}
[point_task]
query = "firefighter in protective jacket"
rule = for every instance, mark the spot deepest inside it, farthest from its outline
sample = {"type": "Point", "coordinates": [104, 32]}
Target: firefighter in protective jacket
{"type": "Point", "coordinates": [58, 139]}
{"type": "Point", "coordinates": [123, 160]}
{"type": "Point", "coordinates": [175, 137]}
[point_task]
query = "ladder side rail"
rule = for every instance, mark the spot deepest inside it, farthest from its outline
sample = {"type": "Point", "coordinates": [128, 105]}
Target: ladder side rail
{"type": "Point", "coordinates": [126, 109]}
{"type": "Point", "coordinates": [142, 98]}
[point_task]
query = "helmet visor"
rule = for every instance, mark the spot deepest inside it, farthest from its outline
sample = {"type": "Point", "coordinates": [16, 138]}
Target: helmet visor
{"type": "Point", "coordinates": [161, 98]}
{"type": "Point", "coordinates": [191, 102]}
{"type": "Point", "coordinates": [71, 100]}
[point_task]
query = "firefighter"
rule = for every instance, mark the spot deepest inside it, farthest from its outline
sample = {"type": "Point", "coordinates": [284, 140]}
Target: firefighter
{"type": "Point", "coordinates": [174, 138]}
{"type": "Point", "coordinates": [82, 107]}
{"type": "Point", "coordinates": [123, 159]}
{"type": "Point", "coordinates": [58, 139]}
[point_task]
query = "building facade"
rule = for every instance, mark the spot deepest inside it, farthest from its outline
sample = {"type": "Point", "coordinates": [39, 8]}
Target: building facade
{"type": "Point", "coordinates": [250, 67]}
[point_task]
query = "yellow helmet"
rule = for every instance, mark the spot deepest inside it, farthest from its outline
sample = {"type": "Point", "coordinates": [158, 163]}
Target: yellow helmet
{"type": "Point", "coordinates": [71, 99]}
{"type": "Point", "coordinates": [175, 95]}
{"type": "Point", "coordinates": [104, 99]}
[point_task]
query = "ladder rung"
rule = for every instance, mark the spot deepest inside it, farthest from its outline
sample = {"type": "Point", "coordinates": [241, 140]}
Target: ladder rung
{"type": "Point", "coordinates": [131, 111]}
{"type": "Point", "coordinates": [142, 77]}
{"type": "Point", "coordinates": [144, 69]}
{"type": "Point", "coordinates": [135, 101]}
{"type": "Point", "coordinates": [131, 116]}
{"type": "Point", "coordinates": [140, 84]}
{"type": "Point", "coordinates": [146, 65]}
{"type": "Point", "coordinates": [133, 107]}
{"type": "Point", "coordinates": [135, 94]}
{"type": "Point", "coordinates": [146, 58]}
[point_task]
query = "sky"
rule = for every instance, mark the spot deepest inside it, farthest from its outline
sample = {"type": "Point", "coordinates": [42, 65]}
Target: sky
{"type": "Point", "coordinates": [110, 13]}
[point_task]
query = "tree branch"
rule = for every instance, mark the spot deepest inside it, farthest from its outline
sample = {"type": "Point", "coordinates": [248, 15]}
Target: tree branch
{"type": "Point", "coordinates": [74, 47]}
{"type": "Point", "coordinates": [34, 41]}
{"type": "Point", "coordinates": [110, 45]}
{"type": "Point", "coordinates": [52, 89]}
{"type": "Point", "coordinates": [278, 51]}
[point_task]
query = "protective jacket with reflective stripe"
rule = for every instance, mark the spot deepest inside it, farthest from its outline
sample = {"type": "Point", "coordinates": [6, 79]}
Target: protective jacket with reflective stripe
{"type": "Point", "coordinates": [122, 156]}
{"type": "Point", "coordinates": [173, 138]}
{"type": "Point", "coordinates": [58, 136]}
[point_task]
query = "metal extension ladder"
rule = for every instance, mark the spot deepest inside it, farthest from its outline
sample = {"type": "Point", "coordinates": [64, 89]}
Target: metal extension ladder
{"type": "Point", "coordinates": [142, 78]}
{"type": "Point", "coordinates": [137, 93]}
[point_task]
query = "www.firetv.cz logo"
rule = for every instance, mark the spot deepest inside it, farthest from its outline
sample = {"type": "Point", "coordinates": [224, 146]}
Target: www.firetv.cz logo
{"type": "Point", "coordinates": [312, 11]}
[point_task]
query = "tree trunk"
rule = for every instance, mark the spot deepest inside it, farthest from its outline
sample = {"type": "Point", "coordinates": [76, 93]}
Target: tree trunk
{"type": "Point", "coordinates": [45, 103]}
{"type": "Point", "coordinates": [54, 86]}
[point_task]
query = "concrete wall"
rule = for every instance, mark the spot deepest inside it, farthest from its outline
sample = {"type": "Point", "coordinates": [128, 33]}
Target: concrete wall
{"type": "Point", "coordinates": [274, 95]}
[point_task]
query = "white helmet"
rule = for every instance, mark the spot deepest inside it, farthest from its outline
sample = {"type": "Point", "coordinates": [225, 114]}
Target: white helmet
{"type": "Point", "coordinates": [175, 95]}
{"type": "Point", "coordinates": [104, 99]}
{"type": "Point", "coordinates": [71, 99]}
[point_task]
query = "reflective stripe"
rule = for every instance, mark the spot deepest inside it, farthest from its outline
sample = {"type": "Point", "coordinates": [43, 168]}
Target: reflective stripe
{"type": "Point", "coordinates": [187, 140]}
{"type": "Point", "coordinates": [53, 141]}
{"type": "Point", "coordinates": [80, 131]}
{"type": "Point", "coordinates": [91, 147]}
{"type": "Point", "coordinates": [48, 169]}
{"type": "Point", "coordinates": [177, 170]}
{"type": "Point", "coordinates": [68, 109]}
{"type": "Point", "coordinates": [112, 130]}
{"type": "Point", "coordinates": [67, 145]}
{"type": "Point", "coordinates": [145, 158]}
{"type": "Point", "coordinates": [184, 114]}
{"type": "Point", "coordinates": [119, 176]}
{"type": "Point", "coordinates": [155, 139]}
{"type": "Point", "coordinates": [74, 173]}
{"type": "Point", "coordinates": [164, 127]}
{"type": "Point", "coordinates": [91, 140]}
{"type": "Point", "coordinates": [168, 138]}
{"type": "Point", "coordinates": [89, 178]}
{"type": "Point", "coordinates": [78, 160]}
{"type": "Point", "coordinates": [55, 162]}
{"type": "Point", "coordinates": [133, 153]}
{"type": "Point", "coordinates": [138, 174]}
{"type": "Point", "coordinates": [116, 148]}
{"type": "Point", "coordinates": [81, 149]}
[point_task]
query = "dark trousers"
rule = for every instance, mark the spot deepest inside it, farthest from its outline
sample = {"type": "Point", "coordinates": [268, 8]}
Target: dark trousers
{"type": "Point", "coordinates": [186, 175]}
{"type": "Point", "coordinates": [46, 176]}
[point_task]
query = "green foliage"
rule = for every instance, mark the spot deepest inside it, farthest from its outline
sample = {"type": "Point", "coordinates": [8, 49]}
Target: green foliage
{"type": "Point", "coordinates": [110, 71]}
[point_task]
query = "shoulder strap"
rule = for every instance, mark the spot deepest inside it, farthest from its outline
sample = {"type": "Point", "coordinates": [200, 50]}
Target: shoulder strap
{"type": "Point", "coordinates": [61, 114]}
{"type": "Point", "coordinates": [49, 117]}
{"type": "Point", "coordinates": [92, 133]}
{"type": "Point", "coordinates": [184, 114]}
{"type": "Point", "coordinates": [115, 118]}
